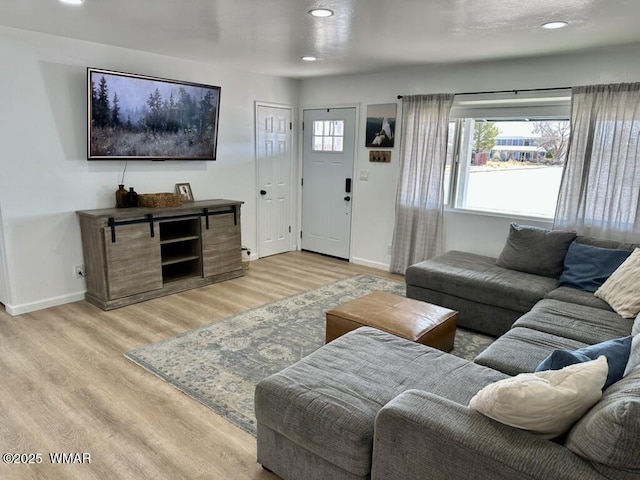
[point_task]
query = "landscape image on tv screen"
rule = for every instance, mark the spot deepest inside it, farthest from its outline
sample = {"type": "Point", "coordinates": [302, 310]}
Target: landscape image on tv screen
{"type": "Point", "coordinates": [147, 118]}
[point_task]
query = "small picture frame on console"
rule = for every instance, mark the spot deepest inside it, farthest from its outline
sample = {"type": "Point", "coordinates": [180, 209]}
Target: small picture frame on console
{"type": "Point", "coordinates": [184, 189]}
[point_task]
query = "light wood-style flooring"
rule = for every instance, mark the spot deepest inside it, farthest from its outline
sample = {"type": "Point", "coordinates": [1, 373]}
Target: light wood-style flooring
{"type": "Point", "coordinates": [65, 385]}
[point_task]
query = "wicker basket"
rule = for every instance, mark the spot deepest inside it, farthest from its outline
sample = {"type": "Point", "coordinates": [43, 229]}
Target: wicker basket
{"type": "Point", "coordinates": [159, 200]}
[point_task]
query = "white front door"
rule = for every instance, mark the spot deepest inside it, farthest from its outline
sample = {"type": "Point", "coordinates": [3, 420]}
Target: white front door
{"type": "Point", "coordinates": [327, 187]}
{"type": "Point", "coordinates": [273, 151]}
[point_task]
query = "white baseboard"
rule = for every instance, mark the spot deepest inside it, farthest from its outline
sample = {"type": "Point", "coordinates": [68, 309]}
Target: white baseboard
{"type": "Point", "coordinates": [42, 304]}
{"type": "Point", "coordinates": [370, 263]}
{"type": "Point", "coordinates": [76, 297]}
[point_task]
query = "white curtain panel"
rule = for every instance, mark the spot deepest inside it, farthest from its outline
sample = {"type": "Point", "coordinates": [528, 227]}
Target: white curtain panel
{"type": "Point", "coordinates": [600, 188]}
{"type": "Point", "coordinates": [419, 201]}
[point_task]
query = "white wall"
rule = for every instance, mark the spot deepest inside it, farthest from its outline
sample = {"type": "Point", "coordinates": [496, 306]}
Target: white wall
{"type": "Point", "coordinates": [45, 177]}
{"type": "Point", "coordinates": [374, 199]}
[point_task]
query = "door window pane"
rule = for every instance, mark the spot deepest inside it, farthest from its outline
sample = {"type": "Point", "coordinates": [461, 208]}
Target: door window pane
{"type": "Point", "coordinates": [328, 135]}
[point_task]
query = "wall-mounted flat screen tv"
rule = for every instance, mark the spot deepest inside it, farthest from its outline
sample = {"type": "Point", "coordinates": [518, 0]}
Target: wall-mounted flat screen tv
{"type": "Point", "coordinates": [136, 117]}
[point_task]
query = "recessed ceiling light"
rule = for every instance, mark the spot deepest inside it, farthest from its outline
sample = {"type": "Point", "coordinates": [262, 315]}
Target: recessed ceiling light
{"type": "Point", "coordinates": [309, 58]}
{"type": "Point", "coordinates": [321, 12]}
{"type": "Point", "coordinates": [554, 25]}
{"type": "Point", "coordinates": [73, 2]}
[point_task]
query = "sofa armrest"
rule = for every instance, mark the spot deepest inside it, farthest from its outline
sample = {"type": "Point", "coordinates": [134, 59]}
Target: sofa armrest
{"type": "Point", "coordinates": [421, 435]}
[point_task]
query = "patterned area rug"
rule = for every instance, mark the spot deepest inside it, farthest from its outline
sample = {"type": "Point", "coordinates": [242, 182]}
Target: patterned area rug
{"type": "Point", "coordinates": [219, 364]}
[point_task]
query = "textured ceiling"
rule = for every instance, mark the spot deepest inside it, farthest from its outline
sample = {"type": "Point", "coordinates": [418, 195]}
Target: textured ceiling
{"type": "Point", "coordinates": [270, 36]}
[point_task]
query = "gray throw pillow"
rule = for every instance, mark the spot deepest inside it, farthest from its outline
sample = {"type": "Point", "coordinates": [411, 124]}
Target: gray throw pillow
{"type": "Point", "coordinates": [535, 250]}
{"type": "Point", "coordinates": [610, 432]}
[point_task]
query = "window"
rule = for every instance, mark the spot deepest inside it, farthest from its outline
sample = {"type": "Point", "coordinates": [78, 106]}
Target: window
{"type": "Point", "coordinates": [502, 159]}
{"type": "Point", "coordinates": [328, 135]}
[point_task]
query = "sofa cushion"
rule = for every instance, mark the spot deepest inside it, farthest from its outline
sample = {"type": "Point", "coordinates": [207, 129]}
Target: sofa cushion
{"type": "Point", "coordinates": [548, 402]}
{"type": "Point", "coordinates": [521, 350]}
{"type": "Point", "coordinates": [577, 322]}
{"type": "Point", "coordinates": [622, 289]}
{"type": "Point", "coordinates": [327, 402]}
{"type": "Point", "coordinates": [616, 351]}
{"type": "Point", "coordinates": [586, 267]}
{"type": "Point", "coordinates": [573, 295]}
{"type": "Point", "coordinates": [478, 278]}
{"type": "Point", "coordinates": [535, 250]}
{"type": "Point", "coordinates": [610, 432]}
{"type": "Point", "coordinates": [489, 319]}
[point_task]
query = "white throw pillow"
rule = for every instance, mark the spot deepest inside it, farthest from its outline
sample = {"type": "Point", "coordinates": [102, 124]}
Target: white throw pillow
{"type": "Point", "coordinates": [622, 289]}
{"type": "Point", "coordinates": [548, 402]}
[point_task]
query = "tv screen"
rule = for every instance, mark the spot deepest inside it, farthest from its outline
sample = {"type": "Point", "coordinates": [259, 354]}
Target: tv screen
{"type": "Point", "coordinates": [136, 117]}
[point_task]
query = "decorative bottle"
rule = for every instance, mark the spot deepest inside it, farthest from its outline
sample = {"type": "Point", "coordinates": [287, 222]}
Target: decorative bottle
{"type": "Point", "coordinates": [132, 198]}
{"type": "Point", "coordinates": [121, 197]}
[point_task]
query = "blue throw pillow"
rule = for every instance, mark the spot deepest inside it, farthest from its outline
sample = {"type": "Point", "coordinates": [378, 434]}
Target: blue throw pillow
{"type": "Point", "coordinates": [587, 267]}
{"type": "Point", "coordinates": [617, 352]}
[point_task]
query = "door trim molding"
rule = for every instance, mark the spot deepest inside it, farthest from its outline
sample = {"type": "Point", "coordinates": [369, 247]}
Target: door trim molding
{"type": "Point", "coordinates": [292, 174]}
{"type": "Point", "coordinates": [354, 183]}
{"type": "Point", "coordinates": [5, 285]}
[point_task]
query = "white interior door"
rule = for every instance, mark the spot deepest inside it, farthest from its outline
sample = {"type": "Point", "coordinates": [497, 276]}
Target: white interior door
{"type": "Point", "coordinates": [329, 144]}
{"type": "Point", "coordinates": [273, 151]}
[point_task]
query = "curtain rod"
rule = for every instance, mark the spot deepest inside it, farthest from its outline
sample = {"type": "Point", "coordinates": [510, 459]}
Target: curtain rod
{"type": "Point", "coordinates": [508, 91]}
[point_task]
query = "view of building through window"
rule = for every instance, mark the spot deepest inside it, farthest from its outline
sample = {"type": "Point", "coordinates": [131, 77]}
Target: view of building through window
{"type": "Point", "coordinates": [510, 167]}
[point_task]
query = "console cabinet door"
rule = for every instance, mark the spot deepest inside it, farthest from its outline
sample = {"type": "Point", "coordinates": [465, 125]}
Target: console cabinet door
{"type": "Point", "coordinates": [133, 261]}
{"type": "Point", "coordinates": [221, 244]}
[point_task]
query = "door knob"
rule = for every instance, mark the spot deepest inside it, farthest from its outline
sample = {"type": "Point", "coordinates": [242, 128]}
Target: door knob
{"type": "Point", "coordinates": [347, 198]}
{"type": "Point", "coordinates": [263, 192]}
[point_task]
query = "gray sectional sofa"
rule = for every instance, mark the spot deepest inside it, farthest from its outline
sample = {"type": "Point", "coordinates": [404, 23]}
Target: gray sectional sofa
{"type": "Point", "coordinates": [372, 405]}
{"type": "Point", "coordinates": [490, 297]}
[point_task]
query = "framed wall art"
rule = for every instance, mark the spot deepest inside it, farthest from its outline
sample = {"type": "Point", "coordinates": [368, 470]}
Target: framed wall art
{"type": "Point", "coordinates": [381, 125]}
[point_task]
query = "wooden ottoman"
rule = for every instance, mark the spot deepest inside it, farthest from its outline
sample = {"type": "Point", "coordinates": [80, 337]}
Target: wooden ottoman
{"type": "Point", "coordinates": [414, 320]}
